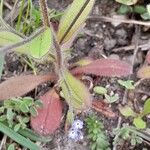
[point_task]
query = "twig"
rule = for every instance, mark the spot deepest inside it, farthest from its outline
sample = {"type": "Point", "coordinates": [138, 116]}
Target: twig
{"type": "Point", "coordinates": [3, 142]}
{"type": "Point", "coordinates": [143, 47]}
{"type": "Point", "coordinates": [7, 5]}
{"type": "Point", "coordinates": [127, 21]}
{"type": "Point", "coordinates": [142, 92]}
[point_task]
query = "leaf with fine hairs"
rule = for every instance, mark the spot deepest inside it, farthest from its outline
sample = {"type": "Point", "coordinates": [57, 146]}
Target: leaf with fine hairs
{"type": "Point", "coordinates": [144, 72]}
{"type": "Point", "coordinates": [8, 37]}
{"type": "Point", "coordinates": [37, 45]}
{"type": "Point", "coordinates": [105, 67]}
{"type": "Point", "coordinates": [49, 117]}
{"type": "Point", "coordinates": [73, 19]}
{"type": "Point", "coordinates": [75, 92]}
{"type": "Point", "coordinates": [18, 86]}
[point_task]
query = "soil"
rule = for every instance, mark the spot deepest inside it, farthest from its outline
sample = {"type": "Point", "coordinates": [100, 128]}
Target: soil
{"type": "Point", "coordinates": [99, 39]}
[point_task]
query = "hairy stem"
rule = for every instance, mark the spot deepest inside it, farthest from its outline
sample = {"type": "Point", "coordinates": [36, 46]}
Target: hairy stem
{"type": "Point", "coordinates": [47, 23]}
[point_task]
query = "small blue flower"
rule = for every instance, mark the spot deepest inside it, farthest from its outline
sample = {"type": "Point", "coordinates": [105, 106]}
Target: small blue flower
{"type": "Point", "coordinates": [75, 135]}
{"type": "Point", "coordinates": [77, 124]}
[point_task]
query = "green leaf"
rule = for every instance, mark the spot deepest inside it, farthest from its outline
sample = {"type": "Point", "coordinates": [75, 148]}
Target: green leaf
{"type": "Point", "coordinates": [24, 108]}
{"type": "Point", "coordinates": [28, 101]}
{"type": "Point", "coordinates": [33, 111]}
{"type": "Point", "coordinates": [10, 114]}
{"type": "Point", "coordinates": [124, 9]}
{"type": "Point", "coordinates": [127, 84]}
{"type": "Point", "coordinates": [25, 120]}
{"type": "Point", "coordinates": [139, 9]}
{"type": "Point", "coordinates": [2, 109]}
{"type": "Point", "coordinates": [17, 127]}
{"type": "Point", "coordinates": [100, 90]}
{"type": "Point", "coordinates": [38, 46]}
{"type": "Point", "coordinates": [139, 123]}
{"type": "Point", "coordinates": [69, 117]}
{"type": "Point", "coordinates": [38, 103]}
{"type": "Point", "coordinates": [73, 19]}
{"type": "Point", "coordinates": [75, 93]}
{"type": "Point", "coordinates": [11, 147]}
{"type": "Point", "coordinates": [127, 2]}
{"type": "Point", "coordinates": [146, 16]}
{"type": "Point", "coordinates": [112, 99]}
{"type": "Point", "coordinates": [7, 38]}
{"type": "Point", "coordinates": [2, 60]}
{"type": "Point", "coordinates": [3, 118]}
{"type": "Point", "coordinates": [127, 111]}
{"type": "Point", "coordinates": [146, 109]}
{"type": "Point", "coordinates": [34, 136]}
{"type": "Point", "coordinates": [17, 137]}
{"type": "Point", "coordinates": [148, 9]}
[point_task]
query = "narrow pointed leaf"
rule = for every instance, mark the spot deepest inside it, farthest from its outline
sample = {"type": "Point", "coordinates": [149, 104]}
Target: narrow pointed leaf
{"type": "Point", "coordinates": [17, 137]}
{"type": "Point", "coordinates": [146, 109]}
{"type": "Point", "coordinates": [49, 117]}
{"type": "Point", "coordinates": [105, 67]}
{"type": "Point", "coordinates": [75, 92]}
{"type": "Point", "coordinates": [28, 133]}
{"type": "Point", "coordinates": [144, 72]}
{"type": "Point", "coordinates": [18, 86]}
{"type": "Point", "coordinates": [73, 18]}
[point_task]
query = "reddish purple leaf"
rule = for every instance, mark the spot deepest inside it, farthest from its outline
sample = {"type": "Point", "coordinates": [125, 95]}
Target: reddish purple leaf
{"type": "Point", "coordinates": [49, 117]}
{"type": "Point", "coordinates": [105, 67]}
{"type": "Point", "coordinates": [18, 86]}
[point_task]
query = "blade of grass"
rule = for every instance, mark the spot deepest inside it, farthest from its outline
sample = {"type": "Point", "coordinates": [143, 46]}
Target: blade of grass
{"type": "Point", "coordinates": [20, 16]}
{"type": "Point", "coordinates": [17, 137]}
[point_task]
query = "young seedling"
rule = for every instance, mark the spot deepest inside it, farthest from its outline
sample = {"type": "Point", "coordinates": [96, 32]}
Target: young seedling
{"type": "Point", "coordinates": [16, 112]}
{"type": "Point", "coordinates": [103, 91]}
{"type": "Point", "coordinates": [127, 84]}
{"type": "Point", "coordinates": [138, 117]}
{"type": "Point", "coordinates": [96, 135]}
{"type": "Point", "coordinates": [127, 133]}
